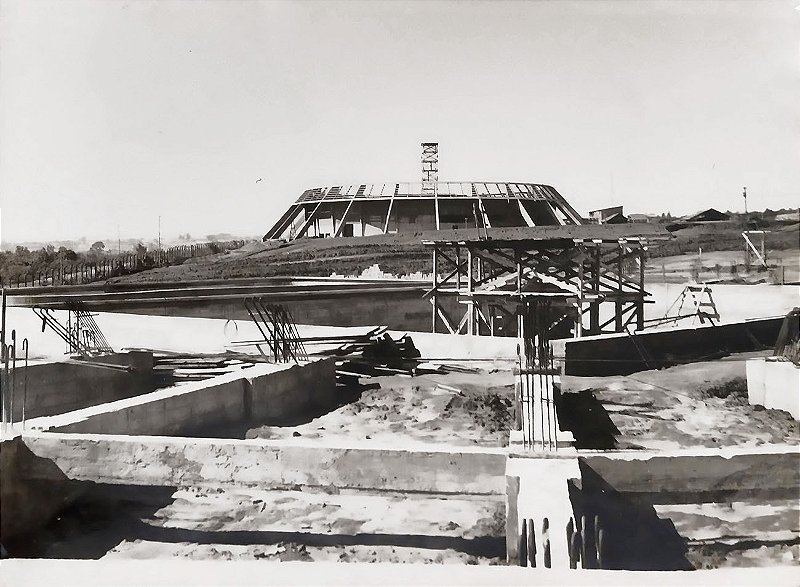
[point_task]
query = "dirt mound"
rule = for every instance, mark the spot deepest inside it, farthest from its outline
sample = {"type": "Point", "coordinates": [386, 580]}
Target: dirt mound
{"type": "Point", "coordinates": [734, 390]}
{"type": "Point", "coordinates": [488, 409]}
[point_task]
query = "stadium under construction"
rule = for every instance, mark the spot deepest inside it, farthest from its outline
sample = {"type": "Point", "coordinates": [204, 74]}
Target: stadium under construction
{"type": "Point", "coordinates": [410, 207]}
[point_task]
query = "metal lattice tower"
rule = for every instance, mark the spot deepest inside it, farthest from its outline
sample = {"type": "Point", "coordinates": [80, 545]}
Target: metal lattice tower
{"type": "Point", "coordinates": [430, 167]}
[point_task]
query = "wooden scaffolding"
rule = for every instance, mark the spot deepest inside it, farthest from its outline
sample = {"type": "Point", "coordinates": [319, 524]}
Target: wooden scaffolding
{"type": "Point", "coordinates": [485, 284]}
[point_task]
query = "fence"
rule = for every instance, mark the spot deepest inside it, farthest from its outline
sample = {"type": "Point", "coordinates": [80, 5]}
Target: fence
{"type": "Point", "coordinates": [125, 264]}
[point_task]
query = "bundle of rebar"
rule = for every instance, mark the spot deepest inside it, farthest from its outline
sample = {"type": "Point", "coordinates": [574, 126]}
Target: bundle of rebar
{"type": "Point", "coordinates": [81, 333]}
{"type": "Point", "coordinates": [536, 371]}
{"type": "Point", "coordinates": [277, 326]}
{"type": "Point", "coordinates": [8, 381]}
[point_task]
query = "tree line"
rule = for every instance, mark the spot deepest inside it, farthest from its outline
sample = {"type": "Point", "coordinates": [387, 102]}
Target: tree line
{"type": "Point", "coordinates": [63, 266]}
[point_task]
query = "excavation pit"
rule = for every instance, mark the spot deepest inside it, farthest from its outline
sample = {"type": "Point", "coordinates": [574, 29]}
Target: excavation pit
{"type": "Point", "coordinates": [119, 522]}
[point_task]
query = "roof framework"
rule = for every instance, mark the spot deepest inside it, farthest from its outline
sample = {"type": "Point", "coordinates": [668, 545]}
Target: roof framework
{"type": "Point", "coordinates": [338, 203]}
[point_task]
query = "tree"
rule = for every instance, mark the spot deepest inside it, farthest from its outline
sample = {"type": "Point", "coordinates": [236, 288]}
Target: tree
{"type": "Point", "coordinates": [67, 254]}
{"type": "Point", "coordinates": [97, 247]}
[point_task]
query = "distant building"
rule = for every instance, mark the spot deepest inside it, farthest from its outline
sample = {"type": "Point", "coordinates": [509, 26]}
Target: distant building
{"type": "Point", "coordinates": [710, 215]}
{"type": "Point", "coordinates": [639, 218]}
{"type": "Point", "coordinates": [603, 215]}
{"type": "Point", "coordinates": [616, 219]}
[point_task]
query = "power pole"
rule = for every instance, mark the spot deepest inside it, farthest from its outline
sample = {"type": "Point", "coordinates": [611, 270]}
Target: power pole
{"type": "Point", "coordinates": [159, 240]}
{"type": "Point", "coordinates": [744, 195]}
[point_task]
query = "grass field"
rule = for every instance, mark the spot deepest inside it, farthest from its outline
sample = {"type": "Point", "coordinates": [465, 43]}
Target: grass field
{"type": "Point", "coordinates": [703, 252]}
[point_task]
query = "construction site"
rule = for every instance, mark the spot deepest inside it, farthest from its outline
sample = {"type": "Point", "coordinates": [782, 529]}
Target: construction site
{"type": "Point", "coordinates": [473, 379]}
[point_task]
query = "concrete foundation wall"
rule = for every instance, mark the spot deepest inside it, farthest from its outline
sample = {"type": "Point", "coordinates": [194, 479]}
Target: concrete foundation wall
{"type": "Point", "coordinates": [265, 391]}
{"type": "Point", "coordinates": [774, 384]}
{"type": "Point", "coordinates": [286, 394]}
{"type": "Point", "coordinates": [58, 387]}
{"type": "Point", "coordinates": [750, 470]}
{"type": "Point", "coordinates": [161, 461]}
{"type": "Point", "coordinates": [620, 354]}
{"type": "Point", "coordinates": [28, 501]}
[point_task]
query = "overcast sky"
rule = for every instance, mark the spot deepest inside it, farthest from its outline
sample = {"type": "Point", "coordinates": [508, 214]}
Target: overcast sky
{"type": "Point", "coordinates": [113, 113]}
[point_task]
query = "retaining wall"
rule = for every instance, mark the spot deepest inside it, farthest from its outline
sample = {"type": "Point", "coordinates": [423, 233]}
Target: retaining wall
{"type": "Point", "coordinates": [28, 501]}
{"type": "Point", "coordinates": [58, 387]}
{"type": "Point", "coordinates": [265, 392]}
{"type": "Point", "coordinates": [622, 354]}
{"type": "Point", "coordinates": [703, 473]}
{"type": "Point", "coordinates": [165, 461]}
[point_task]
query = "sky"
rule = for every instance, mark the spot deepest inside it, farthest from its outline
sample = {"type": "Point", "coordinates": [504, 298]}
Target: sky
{"type": "Point", "coordinates": [113, 113]}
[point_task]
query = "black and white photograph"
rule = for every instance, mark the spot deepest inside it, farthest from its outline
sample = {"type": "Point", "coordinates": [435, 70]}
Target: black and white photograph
{"type": "Point", "coordinates": [399, 292]}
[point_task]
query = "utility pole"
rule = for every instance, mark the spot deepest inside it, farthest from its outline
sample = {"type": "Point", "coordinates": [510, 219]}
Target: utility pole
{"type": "Point", "coordinates": [119, 242]}
{"type": "Point", "coordinates": [159, 240]}
{"type": "Point", "coordinates": [744, 195]}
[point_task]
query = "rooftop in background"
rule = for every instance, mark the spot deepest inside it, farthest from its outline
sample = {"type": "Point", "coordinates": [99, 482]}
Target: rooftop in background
{"type": "Point", "coordinates": [710, 215]}
{"type": "Point", "coordinates": [444, 189]}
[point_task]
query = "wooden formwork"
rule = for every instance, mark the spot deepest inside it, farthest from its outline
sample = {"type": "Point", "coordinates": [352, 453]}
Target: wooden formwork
{"type": "Point", "coordinates": [499, 280]}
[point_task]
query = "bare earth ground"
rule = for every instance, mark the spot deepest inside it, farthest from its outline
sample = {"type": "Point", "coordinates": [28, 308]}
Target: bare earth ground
{"type": "Point", "coordinates": [705, 405]}
{"type": "Point", "coordinates": [241, 524]}
{"type": "Point", "coordinates": [701, 404]}
{"type": "Point", "coordinates": [738, 534]}
{"type": "Point", "coordinates": [716, 265]}
{"type": "Point", "coordinates": [472, 409]}
{"type": "Point", "coordinates": [695, 405]}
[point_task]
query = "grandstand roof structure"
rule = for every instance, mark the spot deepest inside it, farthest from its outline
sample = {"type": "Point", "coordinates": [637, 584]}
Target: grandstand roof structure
{"type": "Point", "coordinates": [386, 208]}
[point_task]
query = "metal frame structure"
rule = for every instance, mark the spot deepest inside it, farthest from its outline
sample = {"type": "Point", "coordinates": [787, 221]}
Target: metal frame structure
{"type": "Point", "coordinates": [430, 168]}
{"type": "Point", "coordinates": [578, 269]}
{"type": "Point", "coordinates": [530, 204]}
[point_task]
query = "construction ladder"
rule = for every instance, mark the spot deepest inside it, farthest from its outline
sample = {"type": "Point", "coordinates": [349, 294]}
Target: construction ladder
{"type": "Point", "coordinates": [701, 301]}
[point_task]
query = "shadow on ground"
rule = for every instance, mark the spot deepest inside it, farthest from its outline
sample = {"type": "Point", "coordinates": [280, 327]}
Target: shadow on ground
{"type": "Point", "coordinates": [634, 537]}
{"type": "Point", "coordinates": [584, 415]}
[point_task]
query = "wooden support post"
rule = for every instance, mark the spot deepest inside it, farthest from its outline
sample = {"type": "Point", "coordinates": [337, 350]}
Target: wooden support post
{"type": "Point", "coordinates": [581, 291]}
{"type": "Point", "coordinates": [640, 301]}
{"type": "Point", "coordinates": [458, 268]}
{"type": "Point", "coordinates": [471, 301]}
{"type": "Point", "coordinates": [594, 309]}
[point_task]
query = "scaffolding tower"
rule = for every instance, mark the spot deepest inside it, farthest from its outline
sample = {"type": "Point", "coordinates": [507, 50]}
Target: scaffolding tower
{"type": "Point", "coordinates": [593, 276]}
